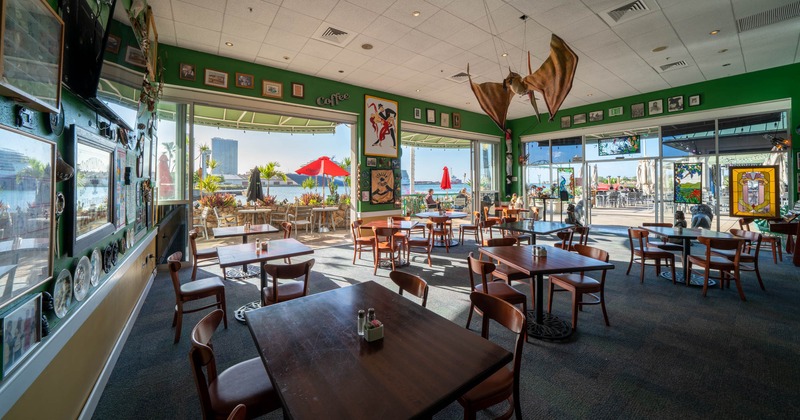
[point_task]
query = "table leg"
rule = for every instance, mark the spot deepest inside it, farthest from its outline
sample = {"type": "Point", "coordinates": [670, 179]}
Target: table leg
{"type": "Point", "coordinates": [544, 325]}
{"type": "Point", "coordinates": [685, 275]}
{"type": "Point", "coordinates": [235, 273]}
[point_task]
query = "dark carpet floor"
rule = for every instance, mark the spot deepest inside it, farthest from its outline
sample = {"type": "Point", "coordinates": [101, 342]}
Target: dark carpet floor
{"type": "Point", "coordinates": [669, 353]}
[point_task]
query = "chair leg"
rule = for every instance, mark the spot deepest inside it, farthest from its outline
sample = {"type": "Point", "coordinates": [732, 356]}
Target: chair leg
{"type": "Point", "coordinates": [738, 281]}
{"type": "Point", "coordinates": [376, 257]}
{"type": "Point", "coordinates": [574, 309]}
{"type": "Point", "coordinates": [178, 323]}
{"type": "Point", "coordinates": [469, 317]}
{"type": "Point", "coordinates": [221, 299]}
{"type": "Point", "coordinates": [549, 298]}
{"type": "Point", "coordinates": [194, 269]}
{"type": "Point", "coordinates": [705, 280]}
{"type": "Point", "coordinates": [641, 275]}
{"type": "Point", "coordinates": [630, 264]}
{"type": "Point", "coordinates": [777, 244]}
{"type": "Point", "coordinates": [603, 306]}
{"type": "Point", "coordinates": [673, 270]}
{"type": "Point", "coordinates": [355, 251]}
{"type": "Point", "coordinates": [758, 274]}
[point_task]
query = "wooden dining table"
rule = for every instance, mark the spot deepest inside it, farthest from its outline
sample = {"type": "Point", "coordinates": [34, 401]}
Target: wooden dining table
{"type": "Point", "coordinates": [244, 233]}
{"type": "Point", "coordinates": [686, 235]}
{"type": "Point", "coordinates": [322, 368]}
{"type": "Point", "coordinates": [534, 228]}
{"type": "Point", "coordinates": [253, 212]}
{"type": "Point", "coordinates": [542, 325]}
{"type": "Point", "coordinates": [244, 254]}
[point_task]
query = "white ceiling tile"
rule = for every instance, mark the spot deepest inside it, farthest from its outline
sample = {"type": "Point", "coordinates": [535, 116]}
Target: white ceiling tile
{"type": "Point", "coordinates": [242, 28]}
{"type": "Point", "coordinates": [315, 8]}
{"type": "Point", "coordinates": [335, 71]}
{"type": "Point", "coordinates": [401, 12]}
{"type": "Point", "coordinates": [308, 64]}
{"type": "Point", "coordinates": [242, 56]}
{"type": "Point", "coordinates": [198, 47]}
{"type": "Point", "coordinates": [350, 57]}
{"type": "Point", "coordinates": [276, 53]}
{"type": "Point", "coordinates": [321, 49]}
{"type": "Point", "coordinates": [595, 41]}
{"type": "Point", "coordinates": [386, 30]}
{"type": "Point", "coordinates": [415, 40]}
{"type": "Point", "coordinates": [193, 15]}
{"type": "Point", "coordinates": [161, 9]}
{"type": "Point", "coordinates": [469, 36]}
{"type": "Point", "coordinates": [442, 51]}
{"type": "Point", "coordinates": [360, 40]}
{"type": "Point", "coordinates": [563, 17]}
{"type": "Point", "coordinates": [216, 5]}
{"type": "Point", "coordinates": [252, 10]}
{"type": "Point", "coordinates": [165, 28]}
{"type": "Point", "coordinates": [241, 46]}
{"type": "Point", "coordinates": [378, 66]}
{"type": "Point", "coordinates": [655, 21]}
{"type": "Point", "coordinates": [294, 22]}
{"type": "Point", "coordinates": [404, 73]}
{"type": "Point", "coordinates": [441, 25]}
{"type": "Point", "coordinates": [503, 19]}
{"type": "Point", "coordinates": [351, 16]}
{"type": "Point", "coordinates": [377, 6]}
{"type": "Point", "coordinates": [197, 35]}
{"type": "Point", "coordinates": [271, 63]}
{"type": "Point", "coordinates": [396, 55]}
{"type": "Point", "coordinates": [682, 77]}
{"type": "Point", "coordinates": [284, 39]}
{"type": "Point", "coordinates": [422, 63]}
{"type": "Point", "coordinates": [359, 76]}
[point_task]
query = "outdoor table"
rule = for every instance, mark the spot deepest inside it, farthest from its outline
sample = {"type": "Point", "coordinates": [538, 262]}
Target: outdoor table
{"type": "Point", "coordinates": [534, 228]}
{"type": "Point", "coordinates": [396, 225]}
{"type": "Point", "coordinates": [322, 368]}
{"type": "Point", "coordinates": [253, 212]}
{"type": "Point", "coordinates": [322, 213]}
{"type": "Point", "coordinates": [686, 235]}
{"type": "Point", "coordinates": [544, 325]}
{"type": "Point", "coordinates": [449, 215]}
{"type": "Point", "coordinates": [244, 254]}
{"type": "Point", "coordinates": [231, 231]}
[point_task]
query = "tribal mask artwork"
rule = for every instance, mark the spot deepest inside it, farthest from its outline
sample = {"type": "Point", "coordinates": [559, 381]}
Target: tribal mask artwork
{"type": "Point", "coordinates": [553, 79]}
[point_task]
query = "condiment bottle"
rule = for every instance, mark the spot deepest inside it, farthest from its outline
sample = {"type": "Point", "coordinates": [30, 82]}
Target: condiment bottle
{"type": "Point", "coordinates": [258, 246]}
{"type": "Point", "coordinates": [370, 315]}
{"type": "Point", "coordinates": [361, 319]}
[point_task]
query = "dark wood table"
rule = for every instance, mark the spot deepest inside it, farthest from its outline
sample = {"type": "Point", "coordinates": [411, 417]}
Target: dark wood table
{"type": "Point", "coordinates": [686, 235]}
{"type": "Point", "coordinates": [540, 324]}
{"type": "Point", "coordinates": [534, 228]}
{"type": "Point", "coordinates": [243, 254]}
{"type": "Point", "coordinates": [396, 225]}
{"type": "Point", "coordinates": [449, 215]}
{"type": "Point", "coordinates": [233, 231]}
{"type": "Point", "coordinates": [322, 368]}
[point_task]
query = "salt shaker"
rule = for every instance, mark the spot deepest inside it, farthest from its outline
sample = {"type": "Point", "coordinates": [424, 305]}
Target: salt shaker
{"type": "Point", "coordinates": [361, 319]}
{"type": "Point", "coordinates": [258, 246]}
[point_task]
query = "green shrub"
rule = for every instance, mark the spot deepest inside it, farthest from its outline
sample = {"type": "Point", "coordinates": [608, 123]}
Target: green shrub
{"type": "Point", "coordinates": [218, 200]}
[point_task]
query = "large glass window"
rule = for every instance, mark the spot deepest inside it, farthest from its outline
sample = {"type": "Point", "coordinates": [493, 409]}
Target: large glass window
{"type": "Point", "coordinates": [170, 165]}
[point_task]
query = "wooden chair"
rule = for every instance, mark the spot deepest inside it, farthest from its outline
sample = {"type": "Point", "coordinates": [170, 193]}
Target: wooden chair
{"type": "Point", "coordinates": [748, 258]}
{"type": "Point", "coordinates": [641, 250]}
{"type": "Point", "coordinates": [419, 228]}
{"type": "Point", "coordinates": [487, 217]}
{"type": "Point", "coordinates": [470, 227]}
{"type": "Point", "coordinates": [193, 290]}
{"type": "Point", "coordinates": [402, 233]}
{"type": "Point", "coordinates": [201, 254]}
{"type": "Point", "coordinates": [238, 413]}
{"type": "Point", "coordinates": [440, 227]}
{"type": "Point", "coordinates": [503, 385]}
{"type": "Point", "coordinates": [360, 242]}
{"type": "Point", "coordinates": [502, 271]}
{"type": "Point", "coordinates": [582, 233]}
{"type": "Point", "coordinates": [486, 225]}
{"type": "Point", "coordinates": [420, 245]}
{"type": "Point", "coordinates": [411, 284]}
{"type": "Point", "coordinates": [273, 292]}
{"type": "Point", "coordinates": [663, 243]}
{"type": "Point", "coordinates": [484, 270]}
{"type": "Point", "coordinates": [519, 236]}
{"type": "Point", "coordinates": [244, 383]}
{"type": "Point", "coordinates": [566, 237]}
{"type": "Point", "coordinates": [774, 242]}
{"type": "Point", "coordinates": [384, 242]}
{"type": "Point", "coordinates": [579, 284]}
{"type": "Point", "coordinates": [727, 266]}
{"type": "Point", "coordinates": [287, 228]}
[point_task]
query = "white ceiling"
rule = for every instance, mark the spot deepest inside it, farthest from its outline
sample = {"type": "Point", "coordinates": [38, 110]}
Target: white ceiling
{"type": "Point", "coordinates": [413, 56]}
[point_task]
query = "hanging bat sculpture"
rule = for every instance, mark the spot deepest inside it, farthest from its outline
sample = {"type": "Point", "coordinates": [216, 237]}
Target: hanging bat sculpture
{"type": "Point", "coordinates": [553, 79]}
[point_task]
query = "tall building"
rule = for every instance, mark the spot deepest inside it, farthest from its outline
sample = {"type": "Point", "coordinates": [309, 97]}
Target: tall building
{"type": "Point", "coordinates": [226, 153]}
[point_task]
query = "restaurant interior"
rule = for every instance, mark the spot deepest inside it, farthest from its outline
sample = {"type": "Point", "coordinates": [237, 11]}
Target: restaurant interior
{"type": "Point", "coordinates": [637, 155]}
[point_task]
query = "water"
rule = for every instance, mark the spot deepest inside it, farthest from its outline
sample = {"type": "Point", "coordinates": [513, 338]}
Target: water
{"type": "Point", "coordinates": [290, 192]}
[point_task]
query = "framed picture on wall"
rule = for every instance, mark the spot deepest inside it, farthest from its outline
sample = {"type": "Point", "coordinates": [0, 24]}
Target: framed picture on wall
{"type": "Point", "coordinates": [381, 186]}
{"type": "Point", "coordinates": [113, 43]}
{"type": "Point", "coordinates": [380, 128]}
{"type": "Point", "coordinates": [754, 191]}
{"type": "Point", "coordinates": [216, 78]}
{"type": "Point", "coordinates": [430, 116]}
{"type": "Point", "coordinates": [22, 332]}
{"type": "Point", "coordinates": [244, 80]}
{"type": "Point", "coordinates": [444, 119]}
{"type": "Point", "coordinates": [271, 89]}
{"type": "Point", "coordinates": [675, 103]}
{"type": "Point", "coordinates": [596, 115]}
{"type": "Point", "coordinates": [579, 119]}
{"type": "Point", "coordinates": [655, 107]}
{"type": "Point", "coordinates": [456, 120]}
{"type": "Point", "coordinates": [565, 121]}
{"type": "Point", "coordinates": [135, 56]}
{"type": "Point", "coordinates": [372, 162]}
{"type": "Point", "coordinates": [417, 114]}
{"type": "Point", "coordinates": [187, 72]}
{"type": "Point", "coordinates": [694, 100]}
{"type": "Point", "coordinates": [298, 90]}
{"type": "Point", "coordinates": [637, 110]}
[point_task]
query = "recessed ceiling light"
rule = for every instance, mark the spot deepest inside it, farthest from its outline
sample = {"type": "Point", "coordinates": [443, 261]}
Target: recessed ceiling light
{"type": "Point", "coordinates": [589, 94]}
{"type": "Point", "coordinates": [468, 103]}
{"type": "Point", "coordinates": [286, 57]}
{"type": "Point", "coordinates": [230, 44]}
{"type": "Point", "coordinates": [714, 32]}
{"type": "Point", "coordinates": [366, 46]}
{"type": "Point", "coordinates": [726, 64]}
{"type": "Point", "coordinates": [722, 51]}
{"type": "Point", "coordinates": [505, 54]}
{"type": "Point", "coordinates": [415, 13]}
{"type": "Point", "coordinates": [661, 48]}
{"type": "Point", "coordinates": [341, 71]}
{"type": "Point", "coordinates": [417, 90]}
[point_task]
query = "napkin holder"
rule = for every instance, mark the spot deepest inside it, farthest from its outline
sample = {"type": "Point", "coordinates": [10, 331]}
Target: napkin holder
{"type": "Point", "coordinates": [373, 334]}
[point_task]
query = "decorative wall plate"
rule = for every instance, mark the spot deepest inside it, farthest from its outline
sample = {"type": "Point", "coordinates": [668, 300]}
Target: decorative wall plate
{"type": "Point", "coordinates": [61, 202]}
{"type": "Point", "coordinates": [96, 267]}
{"type": "Point", "coordinates": [62, 293]}
{"type": "Point", "coordinates": [107, 259]}
{"type": "Point", "coordinates": [80, 280]}
{"type": "Point", "coordinates": [57, 122]}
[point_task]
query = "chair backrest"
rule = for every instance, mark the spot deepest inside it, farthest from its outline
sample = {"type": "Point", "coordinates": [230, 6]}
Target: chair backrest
{"type": "Point", "coordinates": [193, 242]}
{"type": "Point", "coordinates": [411, 284]}
{"type": "Point", "coordinates": [201, 357]}
{"type": "Point", "coordinates": [509, 317]}
{"type": "Point", "coordinates": [501, 242]}
{"type": "Point", "coordinates": [637, 238]}
{"type": "Point", "coordinates": [287, 272]}
{"type": "Point", "coordinates": [754, 238]}
{"type": "Point", "coordinates": [744, 223]}
{"type": "Point", "coordinates": [460, 201]}
{"type": "Point", "coordinates": [508, 219]}
{"type": "Point", "coordinates": [355, 228]}
{"type": "Point", "coordinates": [479, 268]}
{"type": "Point", "coordinates": [725, 244]}
{"type": "Point", "coordinates": [439, 220]}
{"type": "Point", "coordinates": [174, 262]}
{"type": "Point", "coordinates": [239, 413]}
{"type": "Point", "coordinates": [400, 218]}
{"type": "Point", "coordinates": [583, 234]}
{"type": "Point", "coordinates": [221, 221]}
{"type": "Point", "coordinates": [287, 229]}
{"type": "Point", "coordinates": [566, 238]}
{"type": "Point", "coordinates": [596, 253]}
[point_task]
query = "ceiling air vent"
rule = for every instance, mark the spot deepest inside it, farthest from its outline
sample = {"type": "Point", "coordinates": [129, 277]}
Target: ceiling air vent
{"type": "Point", "coordinates": [332, 35]}
{"type": "Point", "coordinates": [626, 12]}
{"type": "Point", "coordinates": [460, 77]}
{"type": "Point", "coordinates": [768, 17]}
{"type": "Point", "coordinates": [674, 65]}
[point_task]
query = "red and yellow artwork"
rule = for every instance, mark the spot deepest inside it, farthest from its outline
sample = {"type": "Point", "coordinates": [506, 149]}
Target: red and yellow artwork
{"type": "Point", "coordinates": [754, 191]}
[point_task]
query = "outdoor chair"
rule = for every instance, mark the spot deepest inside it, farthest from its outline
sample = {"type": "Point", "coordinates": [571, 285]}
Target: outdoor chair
{"type": "Point", "coordinates": [503, 385]}
{"type": "Point", "coordinates": [301, 216]}
{"type": "Point", "coordinates": [191, 291]}
{"type": "Point", "coordinates": [360, 242]}
{"type": "Point", "coordinates": [411, 284]}
{"type": "Point", "coordinates": [243, 384]}
{"type": "Point", "coordinates": [566, 237]}
{"type": "Point", "coordinates": [641, 251]}
{"type": "Point", "coordinates": [420, 227]}
{"type": "Point", "coordinates": [199, 222]}
{"type": "Point", "coordinates": [420, 245]}
{"type": "Point", "coordinates": [280, 214]}
{"type": "Point", "coordinates": [201, 254]}
{"type": "Point", "coordinates": [483, 270]}
{"type": "Point", "coordinates": [774, 242]}
{"type": "Point", "coordinates": [579, 284]}
{"type": "Point", "coordinates": [287, 228]}
{"type": "Point", "coordinates": [274, 292]}
{"type": "Point", "coordinates": [443, 229]}
{"type": "Point", "coordinates": [728, 267]}
{"type": "Point", "coordinates": [226, 220]}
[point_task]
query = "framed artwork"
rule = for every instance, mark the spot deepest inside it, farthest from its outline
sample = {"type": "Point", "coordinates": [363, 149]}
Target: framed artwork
{"type": "Point", "coordinates": [22, 332]}
{"type": "Point", "coordinates": [26, 214]}
{"type": "Point", "coordinates": [688, 183]}
{"type": "Point", "coordinates": [797, 158]}
{"type": "Point", "coordinates": [244, 80]}
{"type": "Point", "coordinates": [113, 43]}
{"type": "Point", "coordinates": [381, 186]}
{"type": "Point", "coordinates": [120, 203]}
{"type": "Point", "coordinates": [596, 115]}
{"type": "Point", "coordinates": [271, 89]}
{"type": "Point", "coordinates": [637, 110]}
{"type": "Point", "coordinates": [565, 121]}
{"type": "Point", "coordinates": [372, 162]}
{"type": "Point", "coordinates": [444, 119]}
{"type": "Point", "coordinates": [615, 112]}
{"type": "Point", "coordinates": [298, 90]}
{"type": "Point", "coordinates": [655, 107]}
{"type": "Point", "coordinates": [216, 78]}
{"type": "Point", "coordinates": [618, 146]}
{"type": "Point", "coordinates": [566, 180]}
{"type": "Point", "coordinates": [798, 182]}
{"type": "Point", "coordinates": [187, 72]}
{"type": "Point", "coordinates": [675, 103]}
{"type": "Point", "coordinates": [754, 191]}
{"type": "Point", "coordinates": [430, 114]}
{"type": "Point", "coordinates": [135, 56]}
{"type": "Point", "coordinates": [364, 195]}
{"type": "Point", "coordinates": [456, 120]}
{"type": "Point", "coordinates": [380, 129]}
{"type": "Point", "coordinates": [579, 119]}
{"type": "Point", "coordinates": [417, 114]}
{"type": "Point", "coordinates": [694, 100]}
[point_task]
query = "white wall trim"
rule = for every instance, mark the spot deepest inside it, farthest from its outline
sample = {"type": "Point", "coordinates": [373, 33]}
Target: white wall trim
{"type": "Point", "coordinates": [734, 111]}
{"type": "Point", "coordinates": [448, 132]}
{"type": "Point", "coordinates": [381, 213]}
{"type": "Point", "coordinates": [15, 385]}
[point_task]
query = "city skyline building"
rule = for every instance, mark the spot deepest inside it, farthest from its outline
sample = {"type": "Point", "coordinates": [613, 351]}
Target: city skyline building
{"type": "Point", "coordinates": [226, 153]}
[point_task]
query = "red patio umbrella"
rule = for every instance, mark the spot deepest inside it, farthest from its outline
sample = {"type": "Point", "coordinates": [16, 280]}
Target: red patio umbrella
{"type": "Point", "coordinates": [445, 184]}
{"type": "Point", "coordinates": [322, 166]}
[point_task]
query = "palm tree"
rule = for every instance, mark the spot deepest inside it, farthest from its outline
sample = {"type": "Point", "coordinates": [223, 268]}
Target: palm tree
{"type": "Point", "coordinates": [346, 166]}
{"type": "Point", "coordinates": [269, 171]}
{"type": "Point", "coordinates": [309, 183]}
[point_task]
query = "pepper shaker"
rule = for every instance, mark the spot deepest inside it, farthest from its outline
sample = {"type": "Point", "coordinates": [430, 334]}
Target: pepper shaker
{"type": "Point", "coordinates": [361, 319]}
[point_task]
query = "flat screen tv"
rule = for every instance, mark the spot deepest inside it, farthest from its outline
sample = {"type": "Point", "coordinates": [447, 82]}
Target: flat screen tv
{"type": "Point", "coordinates": [619, 146]}
{"type": "Point", "coordinates": [86, 33]}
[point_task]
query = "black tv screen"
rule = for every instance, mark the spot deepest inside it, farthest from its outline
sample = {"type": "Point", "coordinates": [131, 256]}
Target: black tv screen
{"type": "Point", "coordinates": [86, 32]}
